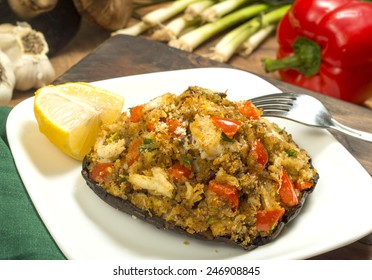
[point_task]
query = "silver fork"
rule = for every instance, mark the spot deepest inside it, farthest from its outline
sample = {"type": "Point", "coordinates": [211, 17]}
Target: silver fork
{"type": "Point", "coordinates": [304, 109]}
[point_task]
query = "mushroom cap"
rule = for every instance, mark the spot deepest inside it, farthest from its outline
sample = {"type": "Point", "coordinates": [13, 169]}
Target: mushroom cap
{"type": "Point", "coordinates": [29, 9]}
{"type": "Point", "coordinates": [110, 15]}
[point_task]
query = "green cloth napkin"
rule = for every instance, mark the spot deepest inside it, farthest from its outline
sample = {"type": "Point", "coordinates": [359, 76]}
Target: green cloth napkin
{"type": "Point", "coordinates": [22, 233]}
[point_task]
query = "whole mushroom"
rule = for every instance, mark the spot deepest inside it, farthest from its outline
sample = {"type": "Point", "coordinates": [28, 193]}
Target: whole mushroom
{"type": "Point", "coordinates": [110, 15]}
{"type": "Point", "coordinates": [27, 9]}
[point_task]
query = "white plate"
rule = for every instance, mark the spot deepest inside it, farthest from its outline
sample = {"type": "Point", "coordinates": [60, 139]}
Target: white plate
{"type": "Point", "coordinates": [84, 227]}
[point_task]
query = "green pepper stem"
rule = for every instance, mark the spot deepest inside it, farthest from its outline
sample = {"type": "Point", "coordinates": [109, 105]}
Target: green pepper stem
{"type": "Point", "coordinates": [306, 58]}
{"type": "Point", "coordinates": [272, 65]}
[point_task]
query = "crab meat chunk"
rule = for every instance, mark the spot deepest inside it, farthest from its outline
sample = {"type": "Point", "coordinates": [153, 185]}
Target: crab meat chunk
{"type": "Point", "coordinates": [206, 137]}
{"type": "Point", "coordinates": [157, 183]}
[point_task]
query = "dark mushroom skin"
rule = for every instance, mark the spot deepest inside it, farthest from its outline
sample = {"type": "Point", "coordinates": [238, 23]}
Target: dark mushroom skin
{"type": "Point", "coordinates": [128, 208]}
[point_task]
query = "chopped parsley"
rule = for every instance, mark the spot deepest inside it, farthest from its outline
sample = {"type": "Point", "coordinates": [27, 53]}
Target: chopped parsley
{"type": "Point", "coordinates": [148, 146]}
{"type": "Point", "coordinates": [291, 153]}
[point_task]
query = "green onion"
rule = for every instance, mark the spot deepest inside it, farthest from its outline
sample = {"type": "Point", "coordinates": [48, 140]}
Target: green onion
{"type": "Point", "coordinates": [155, 17]}
{"type": "Point", "coordinates": [228, 45]}
{"type": "Point", "coordinates": [194, 38]}
{"type": "Point", "coordinates": [134, 30]}
{"type": "Point", "coordinates": [220, 9]}
{"type": "Point", "coordinates": [203, 19]}
{"type": "Point", "coordinates": [255, 40]}
{"type": "Point", "coordinates": [194, 10]}
{"type": "Point", "coordinates": [173, 29]}
{"type": "Point", "coordinates": [160, 15]}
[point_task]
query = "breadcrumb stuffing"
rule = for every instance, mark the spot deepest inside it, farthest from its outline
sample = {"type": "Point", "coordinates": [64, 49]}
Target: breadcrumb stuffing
{"type": "Point", "coordinates": [175, 163]}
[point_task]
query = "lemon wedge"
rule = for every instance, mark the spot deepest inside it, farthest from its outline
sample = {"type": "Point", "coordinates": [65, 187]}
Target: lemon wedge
{"type": "Point", "coordinates": [70, 115]}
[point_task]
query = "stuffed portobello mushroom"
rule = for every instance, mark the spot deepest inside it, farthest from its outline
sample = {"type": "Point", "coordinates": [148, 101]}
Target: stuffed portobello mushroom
{"type": "Point", "coordinates": [202, 165]}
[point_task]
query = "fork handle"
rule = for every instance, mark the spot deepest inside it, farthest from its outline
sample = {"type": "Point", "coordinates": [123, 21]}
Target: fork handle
{"type": "Point", "coordinates": [365, 136]}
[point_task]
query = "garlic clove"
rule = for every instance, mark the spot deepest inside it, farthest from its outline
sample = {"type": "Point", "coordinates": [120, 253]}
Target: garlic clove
{"type": "Point", "coordinates": [6, 28]}
{"type": "Point", "coordinates": [7, 79]}
{"type": "Point", "coordinates": [28, 53]}
{"type": "Point", "coordinates": [7, 42]}
{"type": "Point", "coordinates": [33, 73]}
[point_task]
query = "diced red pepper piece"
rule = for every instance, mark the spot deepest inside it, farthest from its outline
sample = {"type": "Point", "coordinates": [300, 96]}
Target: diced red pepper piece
{"type": "Point", "coordinates": [266, 220]}
{"type": "Point", "coordinates": [260, 150]}
{"type": "Point", "coordinates": [173, 125]}
{"type": "Point", "coordinates": [228, 126]}
{"type": "Point", "coordinates": [133, 151]}
{"type": "Point", "coordinates": [100, 171]}
{"type": "Point", "coordinates": [150, 126]}
{"type": "Point", "coordinates": [287, 191]}
{"type": "Point", "coordinates": [303, 185]}
{"type": "Point", "coordinates": [136, 113]}
{"type": "Point", "coordinates": [249, 111]}
{"type": "Point", "coordinates": [180, 172]}
{"type": "Point", "coordinates": [229, 192]}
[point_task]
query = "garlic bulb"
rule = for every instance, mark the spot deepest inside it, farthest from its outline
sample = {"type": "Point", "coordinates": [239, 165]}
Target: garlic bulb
{"type": "Point", "coordinates": [27, 49]}
{"type": "Point", "coordinates": [7, 79]}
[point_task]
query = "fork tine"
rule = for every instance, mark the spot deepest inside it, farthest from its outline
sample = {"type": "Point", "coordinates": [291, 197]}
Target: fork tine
{"type": "Point", "coordinates": [274, 97]}
{"type": "Point", "coordinates": [275, 107]}
{"type": "Point", "coordinates": [276, 102]}
{"type": "Point", "coordinates": [275, 113]}
{"type": "Point", "coordinates": [304, 109]}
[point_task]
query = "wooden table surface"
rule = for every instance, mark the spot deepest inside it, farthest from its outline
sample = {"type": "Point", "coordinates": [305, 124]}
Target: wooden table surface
{"type": "Point", "coordinates": [125, 55]}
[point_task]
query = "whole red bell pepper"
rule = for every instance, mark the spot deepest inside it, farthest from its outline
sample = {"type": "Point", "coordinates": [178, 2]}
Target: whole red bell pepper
{"type": "Point", "coordinates": [326, 46]}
